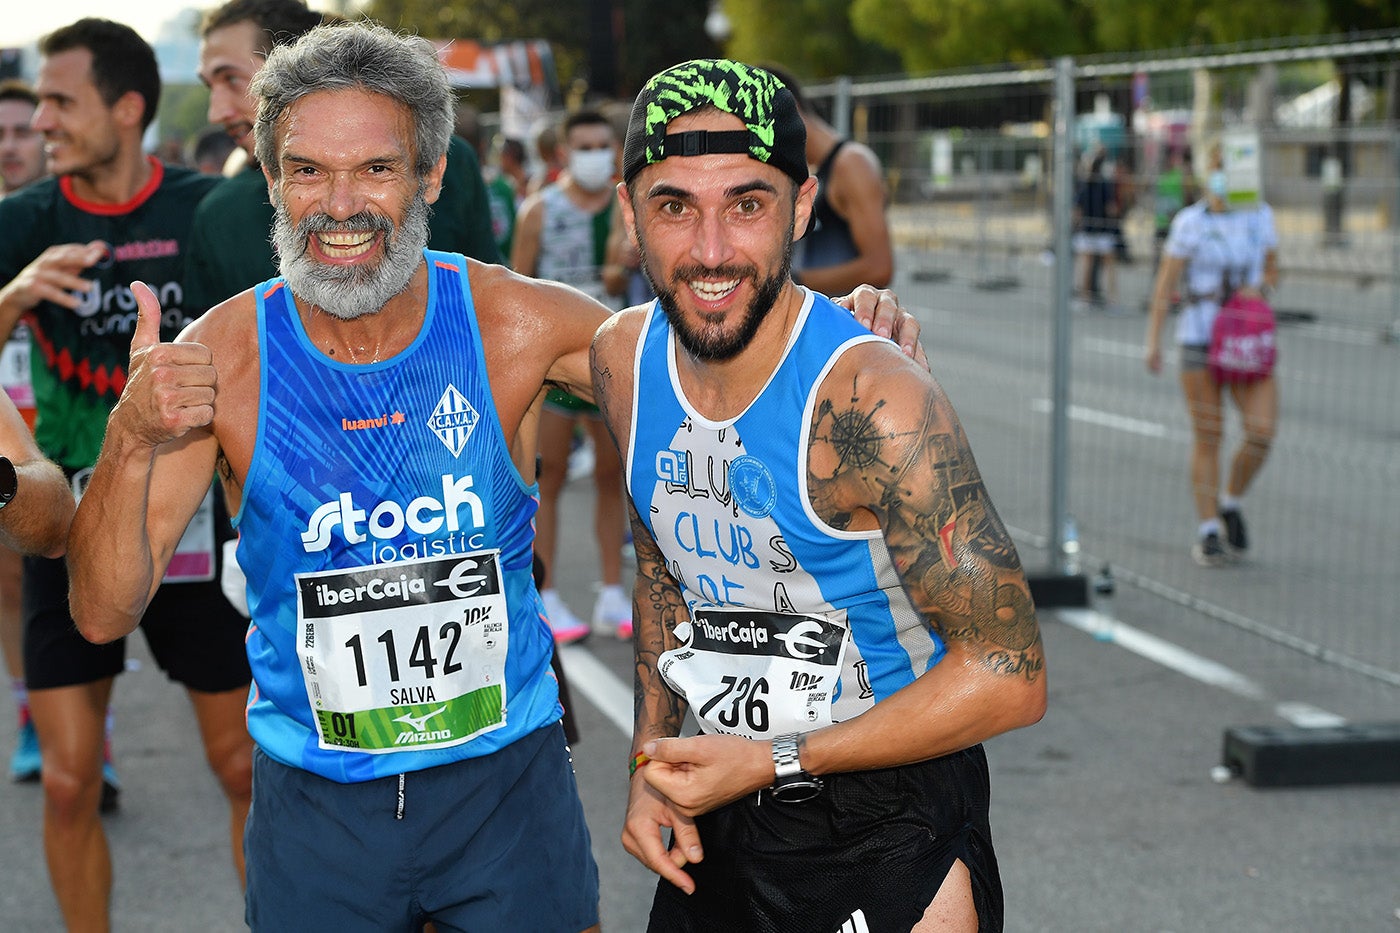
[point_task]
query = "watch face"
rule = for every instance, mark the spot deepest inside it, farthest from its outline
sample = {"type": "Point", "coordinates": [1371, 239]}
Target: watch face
{"type": "Point", "coordinates": [797, 790]}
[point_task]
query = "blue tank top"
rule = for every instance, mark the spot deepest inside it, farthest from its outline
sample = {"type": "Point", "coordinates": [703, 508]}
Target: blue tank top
{"type": "Point", "coordinates": [795, 624]}
{"type": "Point", "coordinates": [387, 538]}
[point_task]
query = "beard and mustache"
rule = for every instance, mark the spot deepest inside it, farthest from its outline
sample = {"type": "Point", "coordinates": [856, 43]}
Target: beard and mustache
{"type": "Point", "coordinates": [708, 340]}
{"type": "Point", "coordinates": [350, 291]}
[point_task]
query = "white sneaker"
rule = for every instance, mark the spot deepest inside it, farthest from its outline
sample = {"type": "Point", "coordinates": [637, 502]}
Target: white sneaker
{"type": "Point", "coordinates": [612, 612]}
{"type": "Point", "coordinates": [581, 461]}
{"type": "Point", "coordinates": [568, 628]}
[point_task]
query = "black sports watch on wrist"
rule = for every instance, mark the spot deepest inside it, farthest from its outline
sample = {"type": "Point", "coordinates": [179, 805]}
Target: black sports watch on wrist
{"type": "Point", "coordinates": [9, 481]}
{"type": "Point", "coordinates": [792, 784]}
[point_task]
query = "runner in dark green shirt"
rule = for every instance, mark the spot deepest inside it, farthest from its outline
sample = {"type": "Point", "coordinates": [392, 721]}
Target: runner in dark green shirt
{"type": "Point", "coordinates": [230, 245]}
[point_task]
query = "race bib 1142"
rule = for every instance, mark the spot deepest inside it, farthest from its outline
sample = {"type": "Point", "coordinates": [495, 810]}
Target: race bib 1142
{"type": "Point", "coordinates": [405, 655]}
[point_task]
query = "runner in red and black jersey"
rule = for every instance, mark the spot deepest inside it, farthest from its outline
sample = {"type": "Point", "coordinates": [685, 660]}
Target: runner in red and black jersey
{"type": "Point", "coordinates": [72, 245]}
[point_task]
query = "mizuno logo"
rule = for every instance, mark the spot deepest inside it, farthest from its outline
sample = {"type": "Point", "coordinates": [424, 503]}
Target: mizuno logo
{"type": "Point", "coordinates": [420, 723]}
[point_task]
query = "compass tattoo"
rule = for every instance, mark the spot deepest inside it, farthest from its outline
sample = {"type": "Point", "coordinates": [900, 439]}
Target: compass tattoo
{"type": "Point", "coordinates": [903, 458]}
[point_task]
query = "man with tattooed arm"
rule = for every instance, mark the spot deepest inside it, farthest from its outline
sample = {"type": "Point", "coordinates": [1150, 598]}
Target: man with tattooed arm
{"type": "Point", "coordinates": [371, 413]}
{"type": "Point", "coordinates": [821, 578]}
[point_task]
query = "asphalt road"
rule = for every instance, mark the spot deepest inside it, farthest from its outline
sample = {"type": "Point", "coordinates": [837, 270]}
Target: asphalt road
{"type": "Point", "coordinates": [1105, 814]}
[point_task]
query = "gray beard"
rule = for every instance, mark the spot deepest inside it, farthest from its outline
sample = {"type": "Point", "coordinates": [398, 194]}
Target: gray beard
{"type": "Point", "coordinates": [349, 292]}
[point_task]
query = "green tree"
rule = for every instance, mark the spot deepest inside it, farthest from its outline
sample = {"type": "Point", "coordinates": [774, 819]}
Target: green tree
{"type": "Point", "coordinates": [930, 35]}
{"type": "Point", "coordinates": [646, 36]}
{"type": "Point", "coordinates": [1362, 15]}
{"type": "Point", "coordinates": [565, 25]}
{"type": "Point", "coordinates": [1125, 26]}
{"type": "Point", "coordinates": [937, 34]}
{"type": "Point", "coordinates": [656, 36]}
{"type": "Point", "coordinates": [183, 111]}
{"type": "Point", "coordinates": [813, 38]}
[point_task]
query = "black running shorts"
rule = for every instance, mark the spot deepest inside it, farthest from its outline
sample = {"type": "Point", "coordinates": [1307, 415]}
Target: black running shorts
{"type": "Point", "coordinates": [869, 853]}
{"type": "Point", "coordinates": [194, 633]}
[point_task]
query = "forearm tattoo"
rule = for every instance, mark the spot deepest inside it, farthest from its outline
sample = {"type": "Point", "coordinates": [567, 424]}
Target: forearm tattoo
{"type": "Point", "coordinates": [658, 710]}
{"type": "Point", "coordinates": [658, 604]}
{"type": "Point", "coordinates": [914, 470]}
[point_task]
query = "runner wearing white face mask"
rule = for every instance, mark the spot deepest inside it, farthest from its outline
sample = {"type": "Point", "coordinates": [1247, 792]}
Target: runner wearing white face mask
{"type": "Point", "coordinates": [561, 234]}
{"type": "Point", "coordinates": [593, 169]}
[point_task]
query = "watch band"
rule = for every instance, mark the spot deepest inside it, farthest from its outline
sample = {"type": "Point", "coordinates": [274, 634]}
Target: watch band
{"type": "Point", "coordinates": [791, 784]}
{"type": "Point", "coordinates": [786, 756]}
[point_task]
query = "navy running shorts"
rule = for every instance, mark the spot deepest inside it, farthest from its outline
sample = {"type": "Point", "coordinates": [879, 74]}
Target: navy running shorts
{"type": "Point", "coordinates": [194, 633]}
{"type": "Point", "coordinates": [867, 853]}
{"type": "Point", "coordinates": [491, 843]}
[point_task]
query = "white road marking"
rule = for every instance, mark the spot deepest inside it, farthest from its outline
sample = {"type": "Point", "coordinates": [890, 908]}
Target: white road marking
{"type": "Point", "coordinates": [600, 686]}
{"type": "Point", "coordinates": [1308, 716]}
{"type": "Point", "coordinates": [1108, 419]}
{"type": "Point", "coordinates": [1106, 628]}
{"type": "Point", "coordinates": [592, 679]}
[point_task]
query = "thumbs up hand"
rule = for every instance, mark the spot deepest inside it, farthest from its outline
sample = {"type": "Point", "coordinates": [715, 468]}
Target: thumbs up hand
{"type": "Point", "coordinates": [170, 387]}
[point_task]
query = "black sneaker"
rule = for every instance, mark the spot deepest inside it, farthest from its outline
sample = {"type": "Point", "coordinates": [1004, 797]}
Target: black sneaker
{"type": "Point", "coordinates": [1234, 530]}
{"type": "Point", "coordinates": [111, 790]}
{"type": "Point", "coordinates": [111, 799]}
{"type": "Point", "coordinates": [1208, 551]}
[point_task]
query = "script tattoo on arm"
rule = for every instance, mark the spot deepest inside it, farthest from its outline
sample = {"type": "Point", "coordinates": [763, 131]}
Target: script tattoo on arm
{"type": "Point", "coordinates": [902, 455]}
{"type": "Point", "coordinates": [602, 389]}
{"type": "Point", "coordinates": [658, 710]}
{"type": "Point", "coordinates": [658, 605]}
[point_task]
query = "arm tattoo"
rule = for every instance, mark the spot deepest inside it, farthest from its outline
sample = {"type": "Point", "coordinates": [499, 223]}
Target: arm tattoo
{"type": "Point", "coordinates": [657, 603]}
{"type": "Point", "coordinates": [602, 381]}
{"type": "Point", "coordinates": [658, 709]}
{"type": "Point", "coordinates": [913, 469]}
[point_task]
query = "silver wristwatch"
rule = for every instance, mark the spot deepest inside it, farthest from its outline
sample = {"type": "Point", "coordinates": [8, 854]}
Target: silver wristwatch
{"type": "Point", "coordinates": [792, 784]}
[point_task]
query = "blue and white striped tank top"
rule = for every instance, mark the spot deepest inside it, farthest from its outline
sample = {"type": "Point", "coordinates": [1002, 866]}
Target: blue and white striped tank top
{"type": "Point", "coordinates": [795, 624]}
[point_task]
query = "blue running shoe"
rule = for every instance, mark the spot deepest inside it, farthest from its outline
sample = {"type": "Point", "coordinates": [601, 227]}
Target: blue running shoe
{"type": "Point", "coordinates": [26, 764]}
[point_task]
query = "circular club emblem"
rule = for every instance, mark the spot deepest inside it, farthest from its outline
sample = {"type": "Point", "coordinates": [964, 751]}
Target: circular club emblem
{"type": "Point", "coordinates": [753, 487]}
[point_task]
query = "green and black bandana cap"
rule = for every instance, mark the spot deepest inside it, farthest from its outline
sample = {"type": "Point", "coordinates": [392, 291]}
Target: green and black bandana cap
{"type": "Point", "coordinates": [774, 130]}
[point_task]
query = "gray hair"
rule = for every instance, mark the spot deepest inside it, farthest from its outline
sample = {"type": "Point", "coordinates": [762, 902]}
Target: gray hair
{"type": "Point", "coordinates": [362, 56]}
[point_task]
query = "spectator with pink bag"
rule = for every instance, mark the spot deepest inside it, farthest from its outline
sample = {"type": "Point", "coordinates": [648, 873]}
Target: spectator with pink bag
{"type": "Point", "coordinates": [1225, 258]}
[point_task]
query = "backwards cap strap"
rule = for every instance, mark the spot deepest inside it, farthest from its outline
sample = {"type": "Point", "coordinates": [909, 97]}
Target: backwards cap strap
{"type": "Point", "coordinates": [702, 142]}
